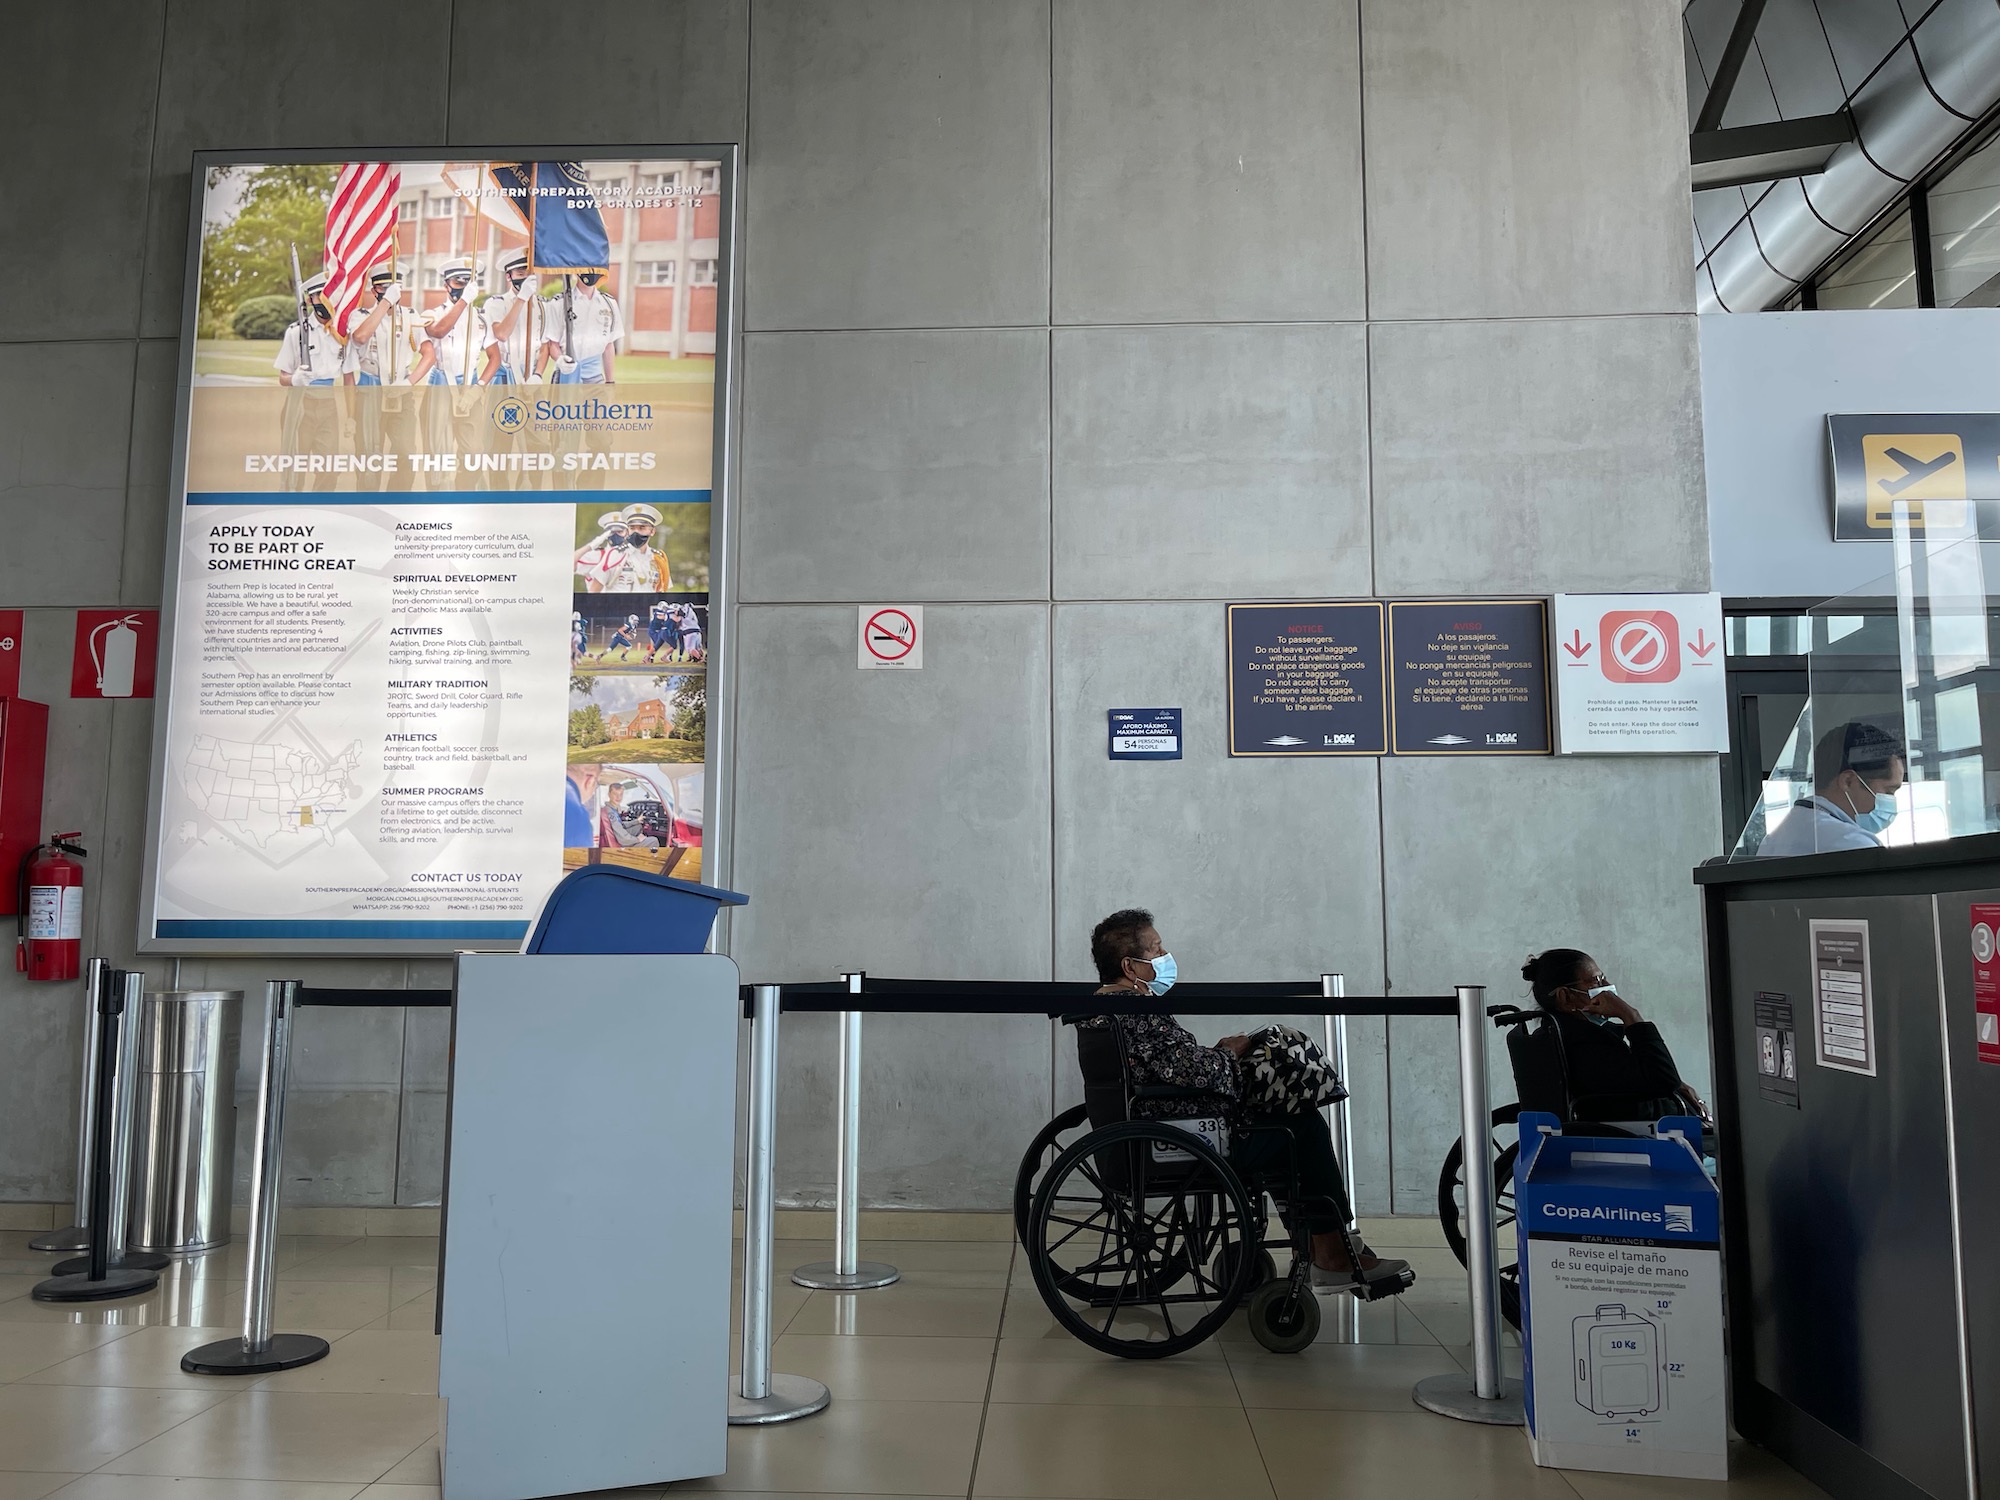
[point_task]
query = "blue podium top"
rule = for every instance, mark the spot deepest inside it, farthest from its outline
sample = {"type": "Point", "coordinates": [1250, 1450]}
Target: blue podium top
{"type": "Point", "coordinates": [611, 909]}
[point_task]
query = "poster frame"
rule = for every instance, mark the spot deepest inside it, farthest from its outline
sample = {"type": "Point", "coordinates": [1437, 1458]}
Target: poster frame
{"type": "Point", "coordinates": [717, 790]}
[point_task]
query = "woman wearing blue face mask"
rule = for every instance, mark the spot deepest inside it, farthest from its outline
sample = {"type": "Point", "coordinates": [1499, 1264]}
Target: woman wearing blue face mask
{"type": "Point", "coordinates": [1131, 959]}
{"type": "Point", "coordinates": [1596, 1057]}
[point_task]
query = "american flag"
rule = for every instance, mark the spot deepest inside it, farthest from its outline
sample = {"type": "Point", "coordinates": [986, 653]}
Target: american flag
{"type": "Point", "coordinates": [360, 232]}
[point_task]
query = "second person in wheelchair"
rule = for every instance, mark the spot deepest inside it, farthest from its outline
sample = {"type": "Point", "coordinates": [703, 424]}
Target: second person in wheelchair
{"type": "Point", "coordinates": [1245, 1079]}
{"type": "Point", "coordinates": [1596, 1058]}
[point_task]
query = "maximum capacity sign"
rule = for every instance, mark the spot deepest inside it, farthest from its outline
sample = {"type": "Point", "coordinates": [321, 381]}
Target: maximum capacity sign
{"type": "Point", "coordinates": [892, 635]}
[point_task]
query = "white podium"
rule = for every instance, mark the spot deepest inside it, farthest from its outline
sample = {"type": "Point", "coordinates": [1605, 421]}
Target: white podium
{"type": "Point", "coordinates": [584, 1291]}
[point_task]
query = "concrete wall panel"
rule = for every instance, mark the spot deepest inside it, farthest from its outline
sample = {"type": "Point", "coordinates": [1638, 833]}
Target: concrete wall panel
{"type": "Point", "coordinates": [1544, 456]}
{"type": "Point", "coordinates": [241, 73]}
{"type": "Point", "coordinates": [1494, 859]}
{"type": "Point", "coordinates": [1525, 158]}
{"type": "Point", "coordinates": [1182, 196]}
{"type": "Point", "coordinates": [899, 173]}
{"type": "Point", "coordinates": [142, 569]}
{"type": "Point", "coordinates": [1210, 462]}
{"type": "Point", "coordinates": [80, 124]}
{"type": "Point", "coordinates": [62, 468]}
{"type": "Point", "coordinates": [896, 465]}
{"type": "Point", "coordinates": [661, 71]}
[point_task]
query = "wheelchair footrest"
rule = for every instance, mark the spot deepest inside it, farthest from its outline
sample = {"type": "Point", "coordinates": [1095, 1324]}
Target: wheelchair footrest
{"type": "Point", "coordinates": [1375, 1288]}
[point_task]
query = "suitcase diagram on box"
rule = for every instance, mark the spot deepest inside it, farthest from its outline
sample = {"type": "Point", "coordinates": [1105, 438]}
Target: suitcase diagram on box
{"type": "Point", "coordinates": [1618, 1369]}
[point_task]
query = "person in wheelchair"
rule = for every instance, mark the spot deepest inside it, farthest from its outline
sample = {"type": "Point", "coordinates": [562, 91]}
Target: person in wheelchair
{"type": "Point", "coordinates": [1595, 1058]}
{"type": "Point", "coordinates": [1131, 958]}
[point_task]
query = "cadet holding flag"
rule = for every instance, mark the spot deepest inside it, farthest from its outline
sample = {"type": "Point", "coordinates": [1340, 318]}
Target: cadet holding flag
{"type": "Point", "coordinates": [382, 352]}
{"type": "Point", "coordinates": [460, 352]}
{"type": "Point", "coordinates": [519, 317]}
{"type": "Point", "coordinates": [309, 365]}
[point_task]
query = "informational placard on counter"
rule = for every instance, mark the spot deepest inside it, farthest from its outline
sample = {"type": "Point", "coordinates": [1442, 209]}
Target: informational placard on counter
{"type": "Point", "coordinates": [1844, 996]}
{"type": "Point", "coordinates": [1307, 679]}
{"type": "Point", "coordinates": [1640, 674]}
{"type": "Point", "coordinates": [1777, 1049]}
{"type": "Point", "coordinates": [1469, 677]}
{"type": "Point", "coordinates": [437, 625]}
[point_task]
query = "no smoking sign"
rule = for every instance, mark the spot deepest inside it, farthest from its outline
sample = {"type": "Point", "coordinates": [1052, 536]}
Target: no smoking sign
{"type": "Point", "coordinates": [892, 635]}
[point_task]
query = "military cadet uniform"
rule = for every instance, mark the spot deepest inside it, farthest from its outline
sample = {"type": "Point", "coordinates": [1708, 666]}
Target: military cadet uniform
{"type": "Point", "coordinates": [458, 359]}
{"type": "Point", "coordinates": [638, 568]}
{"type": "Point", "coordinates": [583, 325]}
{"type": "Point", "coordinates": [309, 364]}
{"type": "Point", "coordinates": [522, 343]}
{"type": "Point", "coordinates": [385, 357]}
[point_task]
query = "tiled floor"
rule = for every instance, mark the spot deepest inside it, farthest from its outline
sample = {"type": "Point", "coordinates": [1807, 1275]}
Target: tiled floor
{"type": "Point", "coordinates": [954, 1382]}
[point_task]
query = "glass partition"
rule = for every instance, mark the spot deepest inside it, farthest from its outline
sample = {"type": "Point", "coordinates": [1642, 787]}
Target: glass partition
{"type": "Point", "coordinates": [1889, 748]}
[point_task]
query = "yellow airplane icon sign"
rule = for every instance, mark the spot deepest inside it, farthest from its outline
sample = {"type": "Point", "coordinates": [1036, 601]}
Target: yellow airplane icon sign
{"type": "Point", "coordinates": [1919, 469]}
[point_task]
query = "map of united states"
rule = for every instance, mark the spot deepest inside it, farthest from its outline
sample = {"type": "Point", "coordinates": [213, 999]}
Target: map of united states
{"type": "Point", "coordinates": [266, 792]}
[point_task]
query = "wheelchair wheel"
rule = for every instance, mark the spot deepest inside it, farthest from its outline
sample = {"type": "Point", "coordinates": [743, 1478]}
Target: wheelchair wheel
{"type": "Point", "coordinates": [1503, 1147]}
{"type": "Point", "coordinates": [1284, 1318]}
{"type": "Point", "coordinates": [1035, 1160]}
{"type": "Point", "coordinates": [1263, 1269]}
{"type": "Point", "coordinates": [1123, 1232]}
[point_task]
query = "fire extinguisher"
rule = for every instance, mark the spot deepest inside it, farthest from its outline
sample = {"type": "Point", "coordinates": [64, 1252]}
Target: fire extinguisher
{"type": "Point", "coordinates": [49, 930]}
{"type": "Point", "coordinates": [114, 651]}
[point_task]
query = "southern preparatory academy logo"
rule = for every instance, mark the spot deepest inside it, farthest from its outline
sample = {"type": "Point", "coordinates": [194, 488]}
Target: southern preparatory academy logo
{"type": "Point", "coordinates": [510, 415]}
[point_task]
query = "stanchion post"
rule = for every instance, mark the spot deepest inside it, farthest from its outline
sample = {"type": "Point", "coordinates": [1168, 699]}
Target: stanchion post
{"type": "Point", "coordinates": [131, 987]}
{"type": "Point", "coordinates": [77, 1235]}
{"type": "Point", "coordinates": [261, 1351]}
{"type": "Point", "coordinates": [847, 1272]}
{"type": "Point", "coordinates": [97, 1276]}
{"type": "Point", "coordinates": [1340, 1116]}
{"type": "Point", "coordinates": [1491, 1398]}
{"type": "Point", "coordinates": [760, 1396]}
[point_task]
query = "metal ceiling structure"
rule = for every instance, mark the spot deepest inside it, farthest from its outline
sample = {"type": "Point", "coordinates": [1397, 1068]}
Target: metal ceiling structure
{"type": "Point", "coordinates": [1913, 78]}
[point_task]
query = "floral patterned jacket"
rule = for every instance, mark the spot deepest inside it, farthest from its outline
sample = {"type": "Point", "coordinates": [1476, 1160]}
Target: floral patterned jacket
{"type": "Point", "coordinates": [1159, 1050]}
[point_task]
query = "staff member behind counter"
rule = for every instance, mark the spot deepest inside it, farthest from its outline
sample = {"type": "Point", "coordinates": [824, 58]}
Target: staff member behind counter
{"type": "Point", "coordinates": [1857, 771]}
{"type": "Point", "coordinates": [1131, 959]}
{"type": "Point", "coordinates": [1596, 1057]}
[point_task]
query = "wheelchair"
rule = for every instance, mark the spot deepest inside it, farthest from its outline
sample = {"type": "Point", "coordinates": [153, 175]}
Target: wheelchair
{"type": "Point", "coordinates": [1143, 1237]}
{"type": "Point", "coordinates": [1533, 1079]}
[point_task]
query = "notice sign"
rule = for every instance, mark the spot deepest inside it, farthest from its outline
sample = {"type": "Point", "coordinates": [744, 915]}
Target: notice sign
{"type": "Point", "coordinates": [115, 653]}
{"type": "Point", "coordinates": [1640, 674]}
{"type": "Point", "coordinates": [1145, 733]}
{"type": "Point", "coordinates": [1777, 1050]}
{"type": "Point", "coordinates": [1469, 677]}
{"type": "Point", "coordinates": [437, 627]}
{"type": "Point", "coordinates": [1307, 679]}
{"type": "Point", "coordinates": [1986, 981]}
{"type": "Point", "coordinates": [892, 635]}
{"type": "Point", "coordinates": [1844, 1019]}
{"type": "Point", "coordinates": [1941, 470]}
{"type": "Point", "coordinates": [11, 623]}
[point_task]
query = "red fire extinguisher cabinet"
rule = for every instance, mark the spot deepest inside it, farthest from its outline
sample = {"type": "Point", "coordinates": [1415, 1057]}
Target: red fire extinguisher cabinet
{"type": "Point", "coordinates": [24, 743]}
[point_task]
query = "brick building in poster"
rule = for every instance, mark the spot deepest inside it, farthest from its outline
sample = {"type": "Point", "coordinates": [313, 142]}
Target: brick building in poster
{"type": "Point", "coordinates": [648, 721]}
{"type": "Point", "coordinates": [664, 259]}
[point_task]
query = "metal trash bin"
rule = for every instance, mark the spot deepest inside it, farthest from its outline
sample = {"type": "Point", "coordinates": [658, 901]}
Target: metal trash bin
{"type": "Point", "coordinates": [184, 1120]}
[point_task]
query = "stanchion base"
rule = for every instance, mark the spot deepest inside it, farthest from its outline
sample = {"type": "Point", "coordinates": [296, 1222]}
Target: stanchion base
{"type": "Point", "coordinates": [825, 1276]}
{"type": "Point", "coordinates": [286, 1351]}
{"type": "Point", "coordinates": [76, 1237]}
{"type": "Point", "coordinates": [1453, 1396]}
{"type": "Point", "coordinates": [131, 1260]}
{"type": "Point", "coordinates": [792, 1397]}
{"type": "Point", "coordinates": [120, 1283]}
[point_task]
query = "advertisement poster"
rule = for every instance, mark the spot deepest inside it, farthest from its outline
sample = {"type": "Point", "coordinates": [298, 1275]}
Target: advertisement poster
{"type": "Point", "coordinates": [1986, 982]}
{"type": "Point", "coordinates": [1640, 674]}
{"type": "Point", "coordinates": [1469, 677]}
{"type": "Point", "coordinates": [1306, 679]}
{"type": "Point", "coordinates": [439, 588]}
